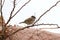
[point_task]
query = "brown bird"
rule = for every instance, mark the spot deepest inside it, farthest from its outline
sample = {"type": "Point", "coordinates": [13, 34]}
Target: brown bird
{"type": "Point", "coordinates": [29, 20]}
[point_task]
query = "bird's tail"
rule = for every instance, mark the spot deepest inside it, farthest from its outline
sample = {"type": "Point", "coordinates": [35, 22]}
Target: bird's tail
{"type": "Point", "coordinates": [21, 22]}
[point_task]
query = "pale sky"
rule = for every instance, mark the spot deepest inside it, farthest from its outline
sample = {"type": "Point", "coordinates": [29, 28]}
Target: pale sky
{"type": "Point", "coordinates": [36, 8]}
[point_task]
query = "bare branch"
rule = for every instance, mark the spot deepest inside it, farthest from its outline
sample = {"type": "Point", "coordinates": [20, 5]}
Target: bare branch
{"type": "Point", "coordinates": [16, 12]}
{"type": "Point", "coordinates": [46, 12]}
{"type": "Point", "coordinates": [3, 27]}
{"type": "Point", "coordinates": [3, 3]}
{"type": "Point", "coordinates": [13, 8]}
{"type": "Point", "coordinates": [11, 12]}
{"type": "Point", "coordinates": [21, 8]}
{"type": "Point", "coordinates": [46, 24]}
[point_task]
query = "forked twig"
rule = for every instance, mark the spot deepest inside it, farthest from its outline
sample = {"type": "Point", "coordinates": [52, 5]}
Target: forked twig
{"type": "Point", "coordinates": [21, 8]}
{"type": "Point", "coordinates": [11, 12]}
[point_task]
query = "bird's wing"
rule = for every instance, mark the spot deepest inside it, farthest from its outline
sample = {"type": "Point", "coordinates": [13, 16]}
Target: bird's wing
{"type": "Point", "coordinates": [28, 20]}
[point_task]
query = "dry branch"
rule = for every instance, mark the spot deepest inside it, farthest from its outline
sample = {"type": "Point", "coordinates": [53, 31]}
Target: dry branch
{"type": "Point", "coordinates": [2, 17]}
{"type": "Point", "coordinates": [11, 16]}
{"type": "Point", "coordinates": [21, 8]}
{"type": "Point", "coordinates": [3, 3]}
{"type": "Point", "coordinates": [16, 12]}
{"type": "Point", "coordinates": [46, 24]}
{"type": "Point", "coordinates": [11, 12]}
{"type": "Point", "coordinates": [13, 7]}
{"type": "Point", "coordinates": [46, 12]}
{"type": "Point", "coordinates": [3, 27]}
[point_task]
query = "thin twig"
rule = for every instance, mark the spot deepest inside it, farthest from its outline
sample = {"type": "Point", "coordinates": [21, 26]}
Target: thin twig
{"type": "Point", "coordinates": [46, 24]}
{"type": "Point", "coordinates": [3, 3]}
{"type": "Point", "coordinates": [21, 8]}
{"type": "Point", "coordinates": [13, 7]}
{"type": "Point", "coordinates": [46, 12]}
{"type": "Point", "coordinates": [11, 12]}
{"type": "Point", "coordinates": [16, 12]}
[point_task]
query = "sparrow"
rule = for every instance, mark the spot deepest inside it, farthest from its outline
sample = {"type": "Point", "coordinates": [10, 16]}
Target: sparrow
{"type": "Point", "coordinates": [29, 21]}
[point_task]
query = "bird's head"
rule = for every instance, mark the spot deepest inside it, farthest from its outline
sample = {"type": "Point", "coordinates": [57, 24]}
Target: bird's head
{"type": "Point", "coordinates": [33, 16]}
